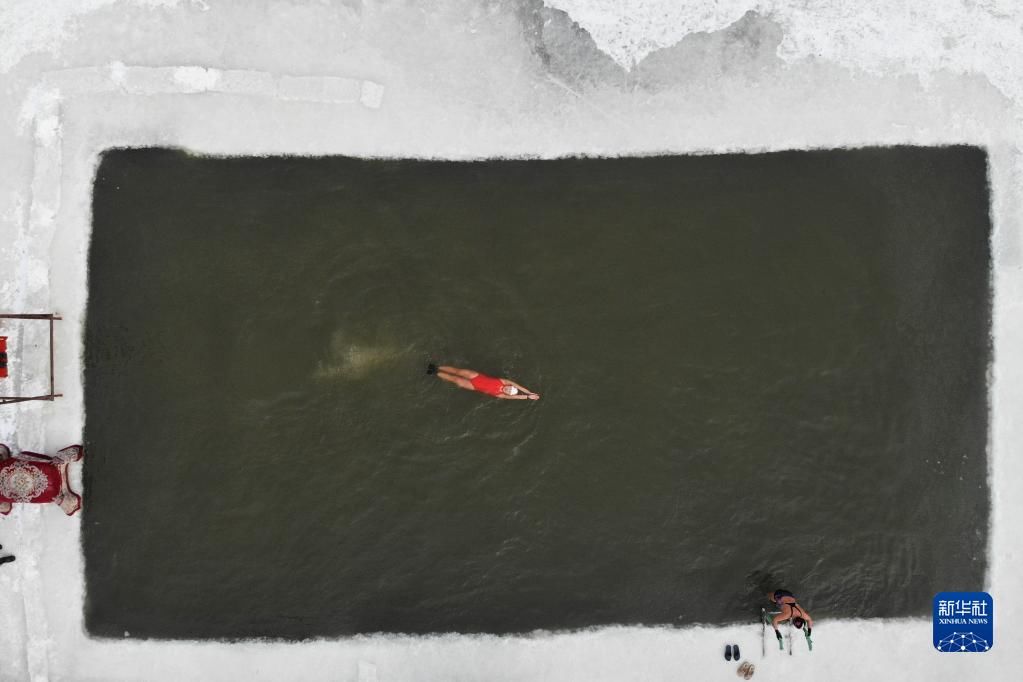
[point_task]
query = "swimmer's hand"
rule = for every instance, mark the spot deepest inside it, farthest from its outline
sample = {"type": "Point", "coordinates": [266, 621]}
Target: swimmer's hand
{"type": "Point", "coordinates": [534, 396]}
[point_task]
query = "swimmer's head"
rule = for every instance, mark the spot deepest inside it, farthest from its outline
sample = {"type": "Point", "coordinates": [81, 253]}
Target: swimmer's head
{"type": "Point", "coordinates": [798, 622]}
{"type": "Point", "coordinates": [509, 390]}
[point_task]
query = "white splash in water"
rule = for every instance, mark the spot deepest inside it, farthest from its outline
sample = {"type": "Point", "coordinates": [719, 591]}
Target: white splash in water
{"type": "Point", "coordinates": [347, 359]}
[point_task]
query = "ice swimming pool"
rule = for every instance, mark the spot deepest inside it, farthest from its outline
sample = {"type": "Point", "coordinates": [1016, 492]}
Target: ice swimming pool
{"type": "Point", "coordinates": [755, 368]}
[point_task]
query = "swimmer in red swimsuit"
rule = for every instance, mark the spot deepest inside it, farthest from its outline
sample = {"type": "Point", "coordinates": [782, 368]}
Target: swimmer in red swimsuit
{"type": "Point", "coordinates": [474, 381]}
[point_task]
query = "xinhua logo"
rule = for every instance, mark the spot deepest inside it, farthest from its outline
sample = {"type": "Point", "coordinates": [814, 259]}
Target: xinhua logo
{"type": "Point", "coordinates": [963, 622]}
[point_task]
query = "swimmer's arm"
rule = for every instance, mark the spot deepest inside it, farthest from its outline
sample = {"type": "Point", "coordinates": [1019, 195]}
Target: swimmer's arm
{"type": "Point", "coordinates": [521, 388]}
{"type": "Point", "coordinates": [522, 395]}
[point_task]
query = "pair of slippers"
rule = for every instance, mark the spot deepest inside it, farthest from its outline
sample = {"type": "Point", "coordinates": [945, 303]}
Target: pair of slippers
{"type": "Point", "coordinates": [746, 668]}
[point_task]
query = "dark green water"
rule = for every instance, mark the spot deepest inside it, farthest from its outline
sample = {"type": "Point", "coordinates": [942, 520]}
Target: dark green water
{"type": "Point", "coordinates": [757, 371]}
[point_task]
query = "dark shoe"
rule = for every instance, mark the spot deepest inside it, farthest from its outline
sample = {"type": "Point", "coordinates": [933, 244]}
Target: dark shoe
{"type": "Point", "coordinates": [728, 652]}
{"type": "Point", "coordinates": [431, 368]}
{"type": "Point", "coordinates": [735, 651]}
{"type": "Point", "coordinates": [6, 559]}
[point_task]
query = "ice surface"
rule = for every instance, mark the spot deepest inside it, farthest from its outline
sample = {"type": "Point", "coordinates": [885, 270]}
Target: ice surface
{"type": "Point", "coordinates": [919, 37]}
{"type": "Point", "coordinates": [468, 79]}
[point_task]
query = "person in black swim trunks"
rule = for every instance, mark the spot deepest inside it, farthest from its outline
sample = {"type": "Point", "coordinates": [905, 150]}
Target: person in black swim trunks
{"type": "Point", "coordinates": [790, 610]}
